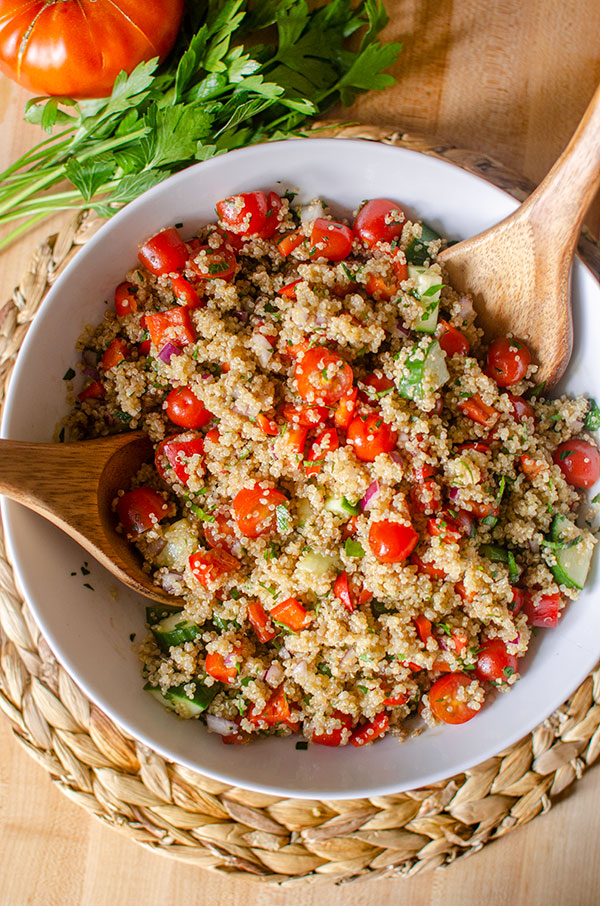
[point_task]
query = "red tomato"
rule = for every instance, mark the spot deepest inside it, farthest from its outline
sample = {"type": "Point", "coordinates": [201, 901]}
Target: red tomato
{"type": "Point", "coordinates": [350, 528]}
{"type": "Point", "coordinates": [267, 425]}
{"type": "Point", "coordinates": [254, 509]}
{"type": "Point", "coordinates": [379, 220]}
{"type": "Point", "coordinates": [350, 592]}
{"type": "Point", "coordinates": [542, 610]}
{"type": "Point", "coordinates": [308, 416]}
{"type": "Point", "coordinates": [345, 410]}
{"type": "Point", "coordinates": [444, 701]}
{"type": "Point", "coordinates": [260, 622]}
{"type": "Point", "coordinates": [186, 294]}
{"type": "Point", "coordinates": [444, 527]}
{"type": "Point", "coordinates": [272, 216]}
{"type": "Point", "coordinates": [392, 542]}
{"type": "Point", "coordinates": [77, 48]}
{"type": "Point", "coordinates": [125, 299]}
{"type": "Point", "coordinates": [141, 509]}
{"type": "Point", "coordinates": [386, 287]}
{"type": "Point", "coordinates": [494, 663]}
{"type": "Point", "coordinates": [164, 253]}
{"type": "Point", "coordinates": [420, 473]}
{"type": "Point", "coordinates": [245, 214]}
{"type": "Point", "coordinates": [452, 340]}
{"type": "Point", "coordinates": [371, 731]}
{"type": "Point", "coordinates": [173, 453]}
{"type": "Point", "coordinates": [393, 701]}
{"type": "Point", "coordinates": [295, 438]}
{"type": "Point", "coordinates": [219, 533]}
{"type": "Point", "coordinates": [184, 408]}
{"type": "Point", "coordinates": [377, 386]}
{"type": "Point", "coordinates": [521, 408]}
{"type": "Point", "coordinates": [213, 565]}
{"type": "Point", "coordinates": [579, 461]}
{"type": "Point", "coordinates": [214, 264]}
{"type": "Point", "coordinates": [370, 436]}
{"type": "Point", "coordinates": [507, 361]}
{"type": "Point", "coordinates": [423, 627]}
{"type": "Point", "coordinates": [118, 351]}
{"type": "Point", "coordinates": [289, 290]}
{"type": "Point", "coordinates": [290, 242]}
{"type": "Point", "coordinates": [93, 391]}
{"type": "Point", "coordinates": [322, 376]}
{"type": "Point", "coordinates": [518, 600]}
{"type": "Point", "coordinates": [425, 498]}
{"type": "Point", "coordinates": [474, 445]}
{"type": "Point", "coordinates": [216, 666]}
{"type": "Point", "coordinates": [330, 240]}
{"type": "Point", "coordinates": [467, 596]}
{"type": "Point", "coordinates": [334, 737]}
{"type": "Point", "coordinates": [478, 411]}
{"type": "Point", "coordinates": [292, 614]}
{"type": "Point", "coordinates": [276, 711]}
{"type": "Point", "coordinates": [427, 567]}
{"type": "Point", "coordinates": [174, 326]}
{"type": "Point", "coordinates": [324, 442]}
{"type": "Point", "coordinates": [531, 467]}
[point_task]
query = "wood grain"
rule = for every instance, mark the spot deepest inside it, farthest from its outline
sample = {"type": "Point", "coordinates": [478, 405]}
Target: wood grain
{"type": "Point", "coordinates": [507, 78]}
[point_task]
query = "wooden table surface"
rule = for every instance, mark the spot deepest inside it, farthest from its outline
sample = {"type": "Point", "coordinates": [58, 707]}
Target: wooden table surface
{"type": "Point", "coordinates": [508, 78]}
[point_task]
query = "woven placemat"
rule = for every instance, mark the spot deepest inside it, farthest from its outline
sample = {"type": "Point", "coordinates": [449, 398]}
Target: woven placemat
{"type": "Point", "coordinates": [168, 808]}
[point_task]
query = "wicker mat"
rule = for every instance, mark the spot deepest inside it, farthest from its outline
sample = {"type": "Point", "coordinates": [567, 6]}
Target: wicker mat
{"type": "Point", "coordinates": [187, 816]}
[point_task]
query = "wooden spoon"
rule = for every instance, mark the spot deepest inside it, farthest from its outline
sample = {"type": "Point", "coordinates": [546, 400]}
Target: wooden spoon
{"type": "Point", "coordinates": [73, 485]}
{"type": "Point", "coordinates": [519, 270]}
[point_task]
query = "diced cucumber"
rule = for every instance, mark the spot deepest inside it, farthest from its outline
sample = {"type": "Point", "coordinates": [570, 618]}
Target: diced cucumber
{"type": "Point", "coordinates": [341, 507]}
{"type": "Point", "coordinates": [304, 510]}
{"type": "Point", "coordinates": [572, 561]}
{"type": "Point", "coordinates": [418, 251]}
{"type": "Point", "coordinates": [425, 371]}
{"type": "Point", "coordinates": [158, 612]}
{"type": "Point", "coordinates": [174, 631]}
{"type": "Point", "coordinates": [428, 286]}
{"type": "Point", "coordinates": [318, 564]}
{"type": "Point", "coordinates": [176, 700]}
{"type": "Point", "coordinates": [181, 543]}
{"type": "Point", "coordinates": [501, 555]}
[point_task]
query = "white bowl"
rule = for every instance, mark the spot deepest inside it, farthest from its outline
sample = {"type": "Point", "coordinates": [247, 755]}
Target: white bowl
{"type": "Point", "coordinates": [89, 631]}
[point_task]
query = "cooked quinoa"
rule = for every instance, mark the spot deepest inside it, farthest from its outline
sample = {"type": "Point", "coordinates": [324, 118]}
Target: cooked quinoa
{"type": "Point", "coordinates": [360, 514]}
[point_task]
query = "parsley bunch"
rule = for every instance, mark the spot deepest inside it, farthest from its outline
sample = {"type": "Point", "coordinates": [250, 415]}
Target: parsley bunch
{"type": "Point", "coordinates": [240, 73]}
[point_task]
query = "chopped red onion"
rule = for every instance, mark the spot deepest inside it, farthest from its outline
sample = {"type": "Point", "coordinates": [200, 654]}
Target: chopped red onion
{"type": "Point", "coordinates": [155, 547]}
{"type": "Point", "coordinates": [348, 659]}
{"type": "Point", "coordinates": [221, 725]}
{"type": "Point", "coordinates": [274, 675]}
{"type": "Point", "coordinates": [402, 329]}
{"type": "Point", "coordinates": [465, 521]}
{"type": "Point", "coordinates": [534, 546]}
{"type": "Point", "coordinates": [109, 419]}
{"type": "Point", "coordinates": [453, 493]}
{"type": "Point", "coordinates": [92, 373]}
{"type": "Point", "coordinates": [465, 307]}
{"type": "Point", "coordinates": [242, 316]}
{"type": "Point", "coordinates": [89, 357]}
{"type": "Point", "coordinates": [171, 582]}
{"type": "Point", "coordinates": [300, 671]}
{"type": "Point", "coordinates": [284, 653]}
{"type": "Point", "coordinates": [372, 490]}
{"type": "Point", "coordinates": [396, 457]}
{"type": "Point", "coordinates": [168, 351]}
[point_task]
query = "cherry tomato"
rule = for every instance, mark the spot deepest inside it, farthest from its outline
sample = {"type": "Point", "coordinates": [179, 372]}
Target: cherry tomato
{"type": "Point", "coordinates": [518, 600]}
{"type": "Point", "coordinates": [444, 701]}
{"type": "Point", "coordinates": [392, 542]}
{"type": "Point", "coordinates": [295, 438]}
{"type": "Point", "coordinates": [216, 666]}
{"type": "Point", "coordinates": [290, 242]}
{"type": "Point", "coordinates": [507, 361]}
{"type": "Point", "coordinates": [379, 220]}
{"type": "Point", "coordinates": [478, 411]}
{"type": "Point", "coordinates": [212, 566]}
{"type": "Point", "coordinates": [174, 326]}
{"type": "Point", "coordinates": [334, 737]}
{"type": "Point", "coordinates": [393, 701]}
{"type": "Point", "coordinates": [350, 592]}
{"type": "Point", "coordinates": [385, 288]}
{"type": "Point", "coordinates": [308, 416]}
{"type": "Point", "coordinates": [467, 596]}
{"type": "Point", "coordinates": [370, 436]}
{"type": "Point", "coordinates": [289, 290]}
{"type": "Point", "coordinates": [542, 610]}
{"type": "Point", "coordinates": [423, 627]}
{"type": "Point", "coordinates": [427, 566]}
{"type": "Point", "coordinates": [292, 614]}
{"type": "Point", "coordinates": [579, 461]}
{"type": "Point", "coordinates": [214, 264]}
{"type": "Point", "coordinates": [425, 498]}
{"type": "Point", "coordinates": [531, 467]}
{"type": "Point", "coordinates": [324, 442]}
{"type": "Point", "coordinates": [173, 453]}
{"type": "Point", "coordinates": [267, 425]}
{"type": "Point", "coordinates": [276, 711]}
{"type": "Point", "coordinates": [330, 240]}
{"type": "Point", "coordinates": [164, 253]}
{"type": "Point", "coordinates": [445, 527]}
{"type": "Point", "coordinates": [476, 445]}
{"type": "Point", "coordinates": [220, 533]}
{"type": "Point", "coordinates": [272, 216]}
{"type": "Point", "coordinates": [421, 473]}
{"type": "Point", "coordinates": [125, 299]}
{"type": "Point", "coordinates": [345, 410]}
{"type": "Point", "coordinates": [370, 731]}
{"type": "Point", "coordinates": [254, 509]}
{"type": "Point", "coordinates": [245, 214]}
{"type": "Point", "coordinates": [322, 376]}
{"type": "Point", "coordinates": [377, 386]}
{"type": "Point", "coordinates": [93, 391]}
{"type": "Point", "coordinates": [521, 408]}
{"type": "Point", "coordinates": [185, 409]}
{"type": "Point", "coordinates": [494, 663]}
{"type": "Point", "coordinates": [452, 340]}
{"type": "Point", "coordinates": [118, 351]}
{"type": "Point", "coordinates": [141, 509]}
{"type": "Point", "coordinates": [260, 622]}
{"type": "Point", "coordinates": [186, 294]}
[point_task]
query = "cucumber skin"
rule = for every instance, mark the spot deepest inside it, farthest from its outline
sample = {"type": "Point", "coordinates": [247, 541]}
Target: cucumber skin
{"type": "Point", "coordinates": [561, 576]}
{"type": "Point", "coordinates": [195, 706]}
{"type": "Point", "coordinates": [182, 631]}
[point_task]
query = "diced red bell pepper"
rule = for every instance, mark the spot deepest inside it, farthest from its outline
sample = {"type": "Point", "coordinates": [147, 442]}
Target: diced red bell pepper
{"type": "Point", "coordinates": [93, 391]}
{"type": "Point", "coordinates": [289, 290]}
{"type": "Point", "coordinates": [117, 352]}
{"type": "Point", "coordinates": [215, 666]}
{"type": "Point", "coordinates": [335, 736]}
{"type": "Point", "coordinates": [174, 325]}
{"type": "Point", "coordinates": [260, 622]}
{"type": "Point", "coordinates": [478, 411]}
{"type": "Point", "coordinates": [423, 627]}
{"type": "Point", "coordinates": [267, 425]}
{"type": "Point", "coordinates": [276, 710]}
{"type": "Point", "coordinates": [292, 615]}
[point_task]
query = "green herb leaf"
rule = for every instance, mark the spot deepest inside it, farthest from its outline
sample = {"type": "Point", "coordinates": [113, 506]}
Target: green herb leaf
{"type": "Point", "coordinates": [282, 515]}
{"type": "Point", "coordinates": [592, 421]}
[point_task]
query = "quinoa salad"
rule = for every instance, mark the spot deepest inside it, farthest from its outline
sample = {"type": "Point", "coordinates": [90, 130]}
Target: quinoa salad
{"type": "Point", "coordinates": [362, 508]}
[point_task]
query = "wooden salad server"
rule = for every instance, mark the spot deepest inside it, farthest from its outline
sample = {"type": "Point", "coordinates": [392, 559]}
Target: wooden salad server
{"type": "Point", "coordinates": [74, 485]}
{"type": "Point", "coordinates": [518, 271]}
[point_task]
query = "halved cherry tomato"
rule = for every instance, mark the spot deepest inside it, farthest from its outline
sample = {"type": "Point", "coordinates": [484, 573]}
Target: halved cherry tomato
{"type": "Point", "coordinates": [385, 288]}
{"type": "Point", "coordinates": [118, 351]}
{"type": "Point", "coordinates": [214, 264]}
{"type": "Point", "coordinates": [292, 614]}
{"type": "Point", "coordinates": [476, 445]}
{"type": "Point", "coordinates": [276, 711]}
{"type": "Point", "coordinates": [125, 299]}
{"type": "Point", "coordinates": [173, 325]}
{"type": "Point", "coordinates": [185, 409]}
{"type": "Point", "coordinates": [294, 350]}
{"type": "Point", "coordinates": [521, 408]}
{"type": "Point", "coordinates": [254, 509]}
{"type": "Point", "coordinates": [371, 731]}
{"type": "Point", "coordinates": [378, 386]}
{"type": "Point", "coordinates": [350, 593]}
{"type": "Point", "coordinates": [164, 253]}
{"type": "Point", "coordinates": [141, 509]}
{"type": "Point", "coordinates": [186, 294]}
{"type": "Point", "coordinates": [334, 737]}
{"type": "Point", "coordinates": [212, 436]}
{"type": "Point", "coordinates": [289, 290]}
{"type": "Point", "coordinates": [174, 453]}
{"type": "Point", "coordinates": [267, 425]}
{"type": "Point", "coordinates": [324, 442]}
{"type": "Point", "coordinates": [272, 216]}
{"type": "Point", "coordinates": [216, 667]}
{"type": "Point", "coordinates": [322, 376]}
{"type": "Point", "coordinates": [350, 528]}
{"type": "Point", "coordinates": [467, 596]}
{"type": "Point", "coordinates": [370, 436]}
{"type": "Point", "coordinates": [423, 627]}
{"type": "Point", "coordinates": [494, 663]}
{"type": "Point", "coordinates": [579, 461]}
{"type": "Point", "coordinates": [245, 214]}
{"type": "Point", "coordinates": [392, 542]}
{"type": "Point", "coordinates": [507, 361]}
{"type": "Point", "coordinates": [213, 565]}
{"type": "Point", "coordinates": [531, 467]}
{"type": "Point", "coordinates": [93, 391]}
{"type": "Point", "coordinates": [542, 610]}
{"type": "Point", "coordinates": [219, 533]}
{"type": "Point", "coordinates": [345, 410]}
{"type": "Point", "coordinates": [308, 416]}
{"type": "Point", "coordinates": [379, 220]}
{"type": "Point", "coordinates": [425, 498]}
{"type": "Point", "coordinates": [445, 528]}
{"type": "Point", "coordinates": [518, 600]}
{"type": "Point", "coordinates": [452, 340]}
{"type": "Point", "coordinates": [295, 438]}
{"type": "Point", "coordinates": [290, 242]}
{"type": "Point", "coordinates": [260, 622]}
{"type": "Point", "coordinates": [427, 566]}
{"type": "Point", "coordinates": [444, 701]}
{"type": "Point", "coordinates": [478, 411]}
{"type": "Point", "coordinates": [420, 473]}
{"type": "Point", "coordinates": [461, 640]}
{"type": "Point", "coordinates": [394, 701]}
{"type": "Point", "coordinates": [330, 240]}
